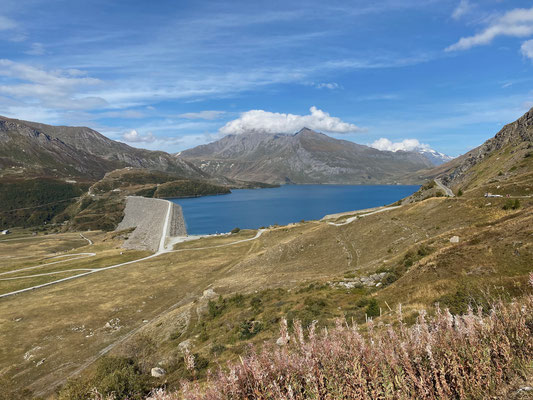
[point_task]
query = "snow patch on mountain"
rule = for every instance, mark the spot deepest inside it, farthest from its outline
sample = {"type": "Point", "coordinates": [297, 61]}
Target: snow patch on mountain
{"type": "Point", "coordinates": [435, 157]}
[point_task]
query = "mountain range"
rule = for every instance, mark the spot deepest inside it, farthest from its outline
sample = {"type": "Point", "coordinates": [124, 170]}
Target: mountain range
{"type": "Point", "coordinates": [306, 157]}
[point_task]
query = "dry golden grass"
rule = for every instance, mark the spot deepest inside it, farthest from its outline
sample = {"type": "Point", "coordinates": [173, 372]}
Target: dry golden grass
{"type": "Point", "coordinates": [65, 325]}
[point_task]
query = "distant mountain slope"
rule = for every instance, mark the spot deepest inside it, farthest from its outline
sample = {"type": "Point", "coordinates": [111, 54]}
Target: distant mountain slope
{"type": "Point", "coordinates": [435, 157]}
{"type": "Point", "coordinates": [22, 146]}
{"type": "Point", "coordinates": [78, 151]}
{"type": "Point", "coordinates": [303, 158]}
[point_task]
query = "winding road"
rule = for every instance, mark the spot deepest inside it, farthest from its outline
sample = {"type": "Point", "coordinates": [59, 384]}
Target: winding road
{"type": "Point", "coordinates": [446, 189]}
{"type": "Point", "coordinates": [351, 219]}
{"type": "Point", "coordinates": [163, 249]}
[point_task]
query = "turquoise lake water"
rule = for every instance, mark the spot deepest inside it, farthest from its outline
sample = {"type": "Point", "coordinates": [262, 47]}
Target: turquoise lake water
{"type": "Point", "coordinates": [253, 208]}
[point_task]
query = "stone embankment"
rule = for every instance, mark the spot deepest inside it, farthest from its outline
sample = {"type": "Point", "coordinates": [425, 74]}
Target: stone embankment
{"type": "Point", "coordinates": [148, 217]}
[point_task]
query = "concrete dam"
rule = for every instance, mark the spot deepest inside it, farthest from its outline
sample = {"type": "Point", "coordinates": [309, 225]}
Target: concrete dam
{"type": "Point", "coordinates": [154, 222]}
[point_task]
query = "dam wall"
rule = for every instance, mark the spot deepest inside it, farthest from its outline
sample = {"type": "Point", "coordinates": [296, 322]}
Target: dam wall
{"type": "Point", "coordinates": [148, 217]}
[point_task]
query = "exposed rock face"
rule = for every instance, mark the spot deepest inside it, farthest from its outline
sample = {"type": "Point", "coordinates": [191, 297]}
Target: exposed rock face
{"type": "Point", "coordinates": [148, 217]}
{"type": "Point", "coordinates": [305, 157]}
{"type": "Point", "coordinates": [369, 281]}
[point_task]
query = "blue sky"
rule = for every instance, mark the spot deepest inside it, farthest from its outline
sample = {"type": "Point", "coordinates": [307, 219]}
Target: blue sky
{"type": "Point", "coordinates": [170, 75]}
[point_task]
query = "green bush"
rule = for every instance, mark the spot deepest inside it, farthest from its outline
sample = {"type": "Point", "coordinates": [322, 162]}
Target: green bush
{"type": "Point", "coordinates": [372, 309]}
{"type": "Point", "coordinates": [237, 299]}
{"type": "Point", "coordinates": [511, 204]}
{"type": "Point", "coordinates": [460, 193]}
{"type": "Point", "coordinates": [113, 375]}
{"type": "Point", "coordinates": [235, 230]}
{"type": "Point", "coordinates": [428, 185]}
{"type": "Point", "coordinates": [214, 309]}
{"type": "Point", "coordinates": [249, 328]}
{"type": "Point", "coordinates": [256, 303]}
{"type": "Point", "coordinates": [217, 349]}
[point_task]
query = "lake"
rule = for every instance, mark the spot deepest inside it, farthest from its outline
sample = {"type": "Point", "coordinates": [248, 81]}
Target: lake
{"type": "Point", "coordinates": [254, 208]}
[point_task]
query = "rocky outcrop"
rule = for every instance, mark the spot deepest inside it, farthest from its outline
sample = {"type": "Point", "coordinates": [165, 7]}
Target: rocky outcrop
{"type": "Point", "coordinates": [148, 217]}
{"type": "Point", "coordinates": [514, 133]}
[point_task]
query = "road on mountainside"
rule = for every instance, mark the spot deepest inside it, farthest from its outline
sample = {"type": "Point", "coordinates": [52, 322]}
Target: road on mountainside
{"type": "Point", "coordinates": [351, 219]}
{"type": "Point", "coordinates": [446, 189]}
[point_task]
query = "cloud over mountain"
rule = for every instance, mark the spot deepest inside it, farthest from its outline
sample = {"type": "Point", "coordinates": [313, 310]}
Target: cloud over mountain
{"type": "Point", "coordinates": [269, 122]}
{"type": "Point", "coordinates": [135, 137]}
{"type": "Point", "coordinates": [405, 145]}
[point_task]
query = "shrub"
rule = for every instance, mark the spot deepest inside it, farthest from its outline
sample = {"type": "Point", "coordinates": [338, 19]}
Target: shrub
{"type": "Point", "coordinates": [372, 309]}
{"type": "Point", "coordinates": [444, 357]}
{"type": "Point", "coordinates": [511, 204]}
{"type": "Point", "coordinates": [256, 303]}
{"type": "Point", "coordinates": [214, 309]}
{"type": "Point", "coordinates": [428, 185]}
{"type": "Point", "coordinates": [115, 376]}
{"type": "Point", "coordinates": [235, 230]}
{"type": "Point", "coordinates": [460, 192]}
{"type": "Point", "coordinates": [217, 349]}
{"type": "Point", "coordinates": [249, 328]}
{"type": "Point", "coordinates": [237, 299]}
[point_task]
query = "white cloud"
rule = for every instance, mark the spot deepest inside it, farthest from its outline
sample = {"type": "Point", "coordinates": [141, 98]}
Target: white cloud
{"type": "Point", "coordinates": [54, 89]}
{"type": "Point", "coordinates": [7, 23]}
{"type": "Point", "coordinates": [527, 49]}
{"type": "Point", "coordinates": [135, 137]}
{"type": "Point", "coordinates": [36, 49]}
{"type": "Point", "coordinates": [208, 115]}
{"type": "Point", "coordinates": [517, 23]}
{"type": "Point", "coordinates": [462, 8]}
{"type": "Point", "coordinates": [327, 85]}
{"type": "Point", "coordinates": [405, 145]}
{"type": "Point", "coordinates": [269, 122]}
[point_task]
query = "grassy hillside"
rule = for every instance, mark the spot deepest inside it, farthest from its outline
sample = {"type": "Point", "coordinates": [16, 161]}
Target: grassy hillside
{"type": "Point", "coordinates": [280, 274]}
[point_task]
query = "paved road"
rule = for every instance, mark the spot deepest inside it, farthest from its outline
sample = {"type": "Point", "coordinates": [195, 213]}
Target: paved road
{"type": "Point", "coordinates": [163, 248]}
{"type": "Point", "coordinates": [446, 189]}
{"type": "Point", "coordinates": [88, 240]}
{"type": "Point", "coordinates": [349, 220]}
{"type": "Point", "coordinates": [80, 255]}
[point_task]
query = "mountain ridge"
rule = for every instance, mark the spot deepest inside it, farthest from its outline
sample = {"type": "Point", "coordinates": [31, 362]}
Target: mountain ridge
{"type": "Point", "coordinates": [302, 158]}
{"type": "Point", "coordinates": [78, 152]}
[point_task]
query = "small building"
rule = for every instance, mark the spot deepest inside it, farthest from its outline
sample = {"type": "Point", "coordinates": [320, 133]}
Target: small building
{"type": "Point", "coordinates": [5, 232]}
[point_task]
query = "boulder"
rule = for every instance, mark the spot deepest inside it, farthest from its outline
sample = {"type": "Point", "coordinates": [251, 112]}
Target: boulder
{"type": "Point", "coordinates": [454, 239]}
{"type": "Point", "coordinates": [157, 372]}
{"type": "Point", "coordinates": [282, 341]}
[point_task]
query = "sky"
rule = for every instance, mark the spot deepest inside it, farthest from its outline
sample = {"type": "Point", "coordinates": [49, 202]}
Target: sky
{"type": "Point", "coordinates": [171, 75]}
